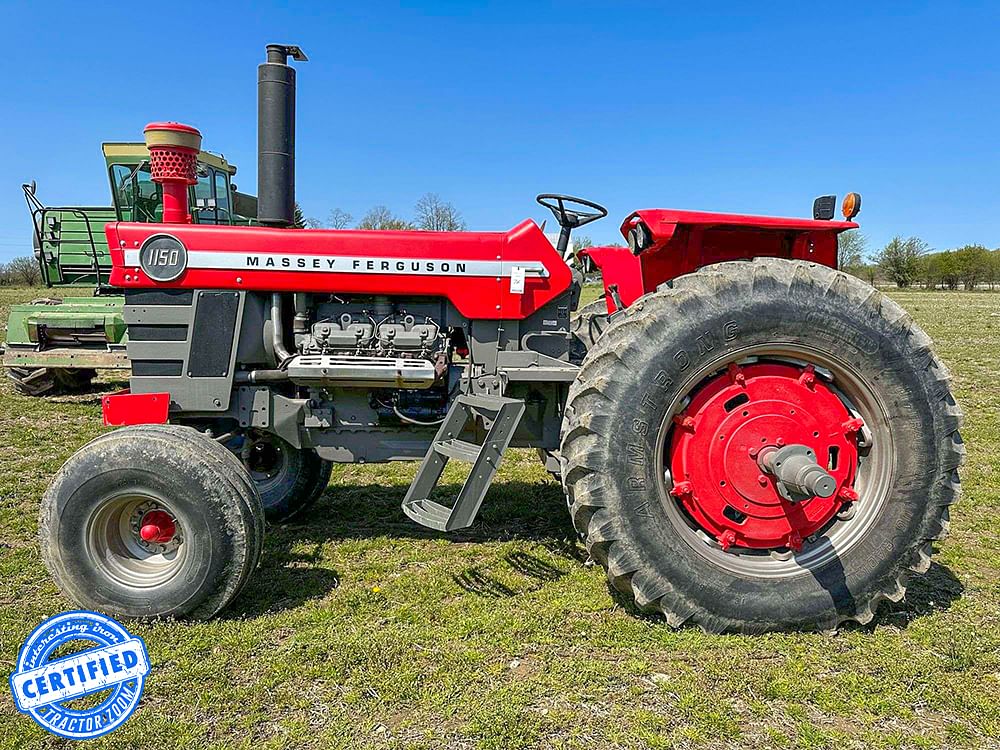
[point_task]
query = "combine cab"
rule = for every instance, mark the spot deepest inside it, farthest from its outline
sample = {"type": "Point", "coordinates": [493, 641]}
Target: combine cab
{"type": "Point", "coordinates": [748, 438]}
{"type": "Point", "coordinates": [60, 342]}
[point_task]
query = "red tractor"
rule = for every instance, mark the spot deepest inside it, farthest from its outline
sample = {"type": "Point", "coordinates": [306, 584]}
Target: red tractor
{"type": "Point", "coordinates": [748, 438]}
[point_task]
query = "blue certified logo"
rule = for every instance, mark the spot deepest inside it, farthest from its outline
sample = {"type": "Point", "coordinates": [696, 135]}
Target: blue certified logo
{"type": "Point", "coordinates": [44, 686]}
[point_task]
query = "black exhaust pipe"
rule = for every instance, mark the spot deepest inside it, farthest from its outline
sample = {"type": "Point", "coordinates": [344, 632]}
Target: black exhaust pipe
{"type": "Point", "coordinates": [276, 135]}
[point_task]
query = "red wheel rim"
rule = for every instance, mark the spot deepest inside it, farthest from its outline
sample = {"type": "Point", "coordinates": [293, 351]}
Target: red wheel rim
{"type": "Point", "coordinates": [717, 439]}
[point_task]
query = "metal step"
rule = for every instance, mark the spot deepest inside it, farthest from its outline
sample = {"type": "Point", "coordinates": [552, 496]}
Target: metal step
{"type": "Point", "coordinates": [460, 449]}
{"type": "Point", "coordinates": [485, 459]}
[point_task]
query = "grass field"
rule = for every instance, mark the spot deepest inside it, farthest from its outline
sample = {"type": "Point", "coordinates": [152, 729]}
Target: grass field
{"type": "Point", "coordinates": [363, 629]}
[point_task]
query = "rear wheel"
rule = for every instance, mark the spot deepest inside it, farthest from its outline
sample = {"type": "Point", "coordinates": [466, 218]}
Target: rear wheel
{"type": "Point", "coordinates": [783, 461]}
{"type": "Point", "coordinates": [151, 522]}
{"type": "Point", "coordinates": [42, 381]}
{"type": "Point", "coordinates": [289, 480]}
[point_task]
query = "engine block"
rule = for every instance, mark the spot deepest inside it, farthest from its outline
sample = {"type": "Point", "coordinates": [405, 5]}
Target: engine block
{"type": "Point", "coordinates": [376, 327]}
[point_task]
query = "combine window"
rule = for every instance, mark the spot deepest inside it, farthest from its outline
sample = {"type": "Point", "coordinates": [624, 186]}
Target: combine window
{"type": "Point", "coordinates": [204, 205]}
{"type": "Point", "coordinates": [137, 197]}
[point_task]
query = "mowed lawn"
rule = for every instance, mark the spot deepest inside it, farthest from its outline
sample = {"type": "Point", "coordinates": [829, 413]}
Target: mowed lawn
{"type": "Point", "coordinates": [362, 629]}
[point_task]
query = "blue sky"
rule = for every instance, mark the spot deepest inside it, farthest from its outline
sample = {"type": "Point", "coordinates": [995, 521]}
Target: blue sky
{"type": "Point", "coordinates": [746, 107]}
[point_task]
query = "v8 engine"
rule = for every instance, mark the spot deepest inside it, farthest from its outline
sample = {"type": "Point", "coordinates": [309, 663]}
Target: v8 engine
{"type": "Point", "coordinates": [378, 326]}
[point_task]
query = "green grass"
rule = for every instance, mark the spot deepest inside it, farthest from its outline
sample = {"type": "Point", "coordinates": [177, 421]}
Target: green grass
{"type": "Point", "coordinates": [361, 629]}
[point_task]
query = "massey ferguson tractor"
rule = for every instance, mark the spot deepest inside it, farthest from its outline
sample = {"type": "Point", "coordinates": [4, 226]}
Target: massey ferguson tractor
{"type": "Point", "coordinates": [748, 438]}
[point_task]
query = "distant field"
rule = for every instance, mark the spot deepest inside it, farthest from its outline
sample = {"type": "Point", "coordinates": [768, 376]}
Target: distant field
{"type": "Point", "coordinates": [363, 629]}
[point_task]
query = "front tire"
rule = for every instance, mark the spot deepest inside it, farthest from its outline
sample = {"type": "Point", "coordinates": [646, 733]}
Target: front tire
{"type": "Point", "coordinates": [149, 522]}
{"type": "Point", "coordinates": [588, 325]}
{"type": "Point", "coordinates": [786, 321]}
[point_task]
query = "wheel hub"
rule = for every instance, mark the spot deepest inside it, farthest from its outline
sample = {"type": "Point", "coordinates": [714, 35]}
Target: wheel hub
{"type": "Point", "coordinates": [154, 528]}
{"type": "Point", "coordinates": [728, 441]}
{"type": "Point", "coordinates": [157, 526]}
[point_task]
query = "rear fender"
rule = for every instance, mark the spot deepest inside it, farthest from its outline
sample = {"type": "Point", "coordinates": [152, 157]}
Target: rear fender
{"type": "Point", "coordinates": [673, 243]}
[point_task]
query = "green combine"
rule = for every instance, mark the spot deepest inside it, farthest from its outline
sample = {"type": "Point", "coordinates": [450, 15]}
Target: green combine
{"type": "Point", "coordinates": [59, 344]}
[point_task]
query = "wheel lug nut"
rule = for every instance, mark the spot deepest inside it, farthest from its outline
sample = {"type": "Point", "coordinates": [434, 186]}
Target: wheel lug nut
{"type": "Point", "coordinates": [686, 423]}
{"type": "Point", "coordinates": [761, 480]}
{"type": "Point", "coordinates": [726, 539]}
{"type": "Point", "coordinates": [848, 494]}
{"type": "Point", "coordinates": [851, 426]}
{"type": "Point", "coordinates": [681, 489]}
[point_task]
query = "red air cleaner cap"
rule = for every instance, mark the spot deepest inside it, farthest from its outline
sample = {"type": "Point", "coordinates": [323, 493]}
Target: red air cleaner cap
{"type": "Point", "coordinates": [173, 149]}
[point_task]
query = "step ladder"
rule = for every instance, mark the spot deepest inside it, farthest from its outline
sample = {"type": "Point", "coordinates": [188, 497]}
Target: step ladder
{"type": "Point", "coordinates": [485, 459]}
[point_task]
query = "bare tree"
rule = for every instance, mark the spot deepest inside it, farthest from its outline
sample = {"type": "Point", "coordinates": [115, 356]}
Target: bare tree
{"type": "Point", "coordinates": [380, 217]}
{"type": "Point", "coordinates": [24, 271]}
{"type": "Point", "coordinates": [436, 215]}
{"type": "Point", "coordinates": [339, 219]}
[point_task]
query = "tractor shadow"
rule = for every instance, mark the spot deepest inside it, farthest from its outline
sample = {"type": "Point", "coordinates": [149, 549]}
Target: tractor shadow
{"type": "Point", "coordinates": [292, 572]}
{"type": "Point", "coordinates": [926, 593]}
{"type": "Point", "coordinates": [934, 591]}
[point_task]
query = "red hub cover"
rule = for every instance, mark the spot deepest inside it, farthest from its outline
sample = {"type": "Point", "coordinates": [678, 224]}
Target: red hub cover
{"type": "Point", "coordinates": [157, 527]}
{"type": "Point", "coordinates": [718, 437]}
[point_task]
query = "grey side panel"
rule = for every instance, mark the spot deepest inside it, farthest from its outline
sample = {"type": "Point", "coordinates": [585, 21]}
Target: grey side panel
{"type": "Point", "coordinates": [189, 368]}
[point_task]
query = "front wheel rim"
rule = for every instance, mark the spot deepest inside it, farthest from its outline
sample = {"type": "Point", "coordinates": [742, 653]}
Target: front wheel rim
{"type": "Point", "coordinates": [844, 529]}
{"type": "Point", "coordinates": [115, 543]}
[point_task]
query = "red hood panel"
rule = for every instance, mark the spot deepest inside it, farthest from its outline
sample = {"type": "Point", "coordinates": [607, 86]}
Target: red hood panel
{"type": "Point", "coordinates": [472, 269]}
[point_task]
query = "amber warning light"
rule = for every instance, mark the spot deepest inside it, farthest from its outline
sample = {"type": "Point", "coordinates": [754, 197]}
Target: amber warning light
{"type": "Point", "coordinates": [851, 206]}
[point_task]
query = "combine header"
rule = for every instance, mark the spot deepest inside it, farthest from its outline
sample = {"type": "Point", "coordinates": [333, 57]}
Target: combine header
{"type": "Point", "coordinates": [748, 438]}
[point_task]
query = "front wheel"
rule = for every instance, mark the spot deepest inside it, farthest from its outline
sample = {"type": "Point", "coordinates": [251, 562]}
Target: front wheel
{"type": "Point", "coordinates": [780, 455]}
{"type": "Point", "coordinates": [43, 381]}
{"type": "Point", "coordinates": [151, 521]}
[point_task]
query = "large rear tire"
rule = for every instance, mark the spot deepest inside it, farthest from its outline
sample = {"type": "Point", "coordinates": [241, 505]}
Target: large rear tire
{"type": "Point", "coordinates": [755, 341]}
{"type": "Point", "coordinates": [151, 521]}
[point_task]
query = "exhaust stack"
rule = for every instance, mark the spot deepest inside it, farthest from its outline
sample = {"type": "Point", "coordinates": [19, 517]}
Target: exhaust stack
{"type": "Point", "coordinates": [276, 135]}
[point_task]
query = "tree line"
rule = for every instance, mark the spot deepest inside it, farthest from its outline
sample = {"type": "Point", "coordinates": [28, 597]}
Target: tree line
{"type": "Point", "coordinates": [430, 213]}
{"type": "Point", "coordinates": [23, 271]}
{"type": "Point", "coordinates": [909, 261]}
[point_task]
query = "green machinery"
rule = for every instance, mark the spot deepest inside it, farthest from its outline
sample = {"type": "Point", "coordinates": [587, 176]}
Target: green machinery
{"type": "Point", "coordinates": [60, 343]}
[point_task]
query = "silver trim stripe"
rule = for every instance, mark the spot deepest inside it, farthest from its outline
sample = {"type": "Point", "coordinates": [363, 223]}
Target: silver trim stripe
{"type": "Point", "coordinates": [369, 264]}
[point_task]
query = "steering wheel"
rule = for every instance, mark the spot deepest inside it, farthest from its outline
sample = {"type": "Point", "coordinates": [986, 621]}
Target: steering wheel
{"type": "Point", "coordinates": [569, 218]}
